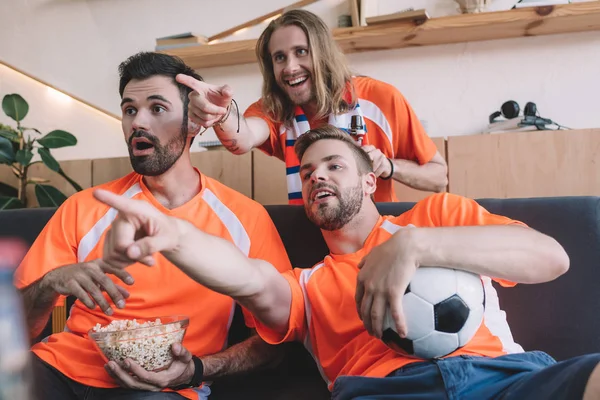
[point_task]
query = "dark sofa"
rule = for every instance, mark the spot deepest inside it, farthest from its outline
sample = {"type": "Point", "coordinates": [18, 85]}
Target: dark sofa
{"type": "Point", "coordinates": [559, 317]}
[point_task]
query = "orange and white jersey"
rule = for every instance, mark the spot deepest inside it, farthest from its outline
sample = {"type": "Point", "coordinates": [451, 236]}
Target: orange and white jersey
{"type": "Point", "coordinates": [391, 124]}
{"type": "Point", "coordinates": [75, 234]}
{"type": "Point", "coordinates": [323, 312]}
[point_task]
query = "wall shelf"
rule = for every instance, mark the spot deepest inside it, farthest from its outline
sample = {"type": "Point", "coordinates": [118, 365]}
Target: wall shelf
{"type": "Point", "coordinates": [534, 21]}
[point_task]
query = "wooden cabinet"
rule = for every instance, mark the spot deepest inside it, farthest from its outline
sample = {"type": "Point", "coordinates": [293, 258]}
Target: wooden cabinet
{"type": "Point", "coordinates": [525, 164]}
{"type": "Point", "coordinates": [505, 165]}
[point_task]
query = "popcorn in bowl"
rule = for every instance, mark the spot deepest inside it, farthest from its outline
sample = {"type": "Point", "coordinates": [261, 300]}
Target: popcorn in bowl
{"type": "Point", "coordinates": [147, 342]}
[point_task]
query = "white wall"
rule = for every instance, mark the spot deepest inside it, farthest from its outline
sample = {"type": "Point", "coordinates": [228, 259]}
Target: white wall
{"type": "Point", "coordinates": [77, 45]}
{"type": "Point", "coordinates": [50, 110]}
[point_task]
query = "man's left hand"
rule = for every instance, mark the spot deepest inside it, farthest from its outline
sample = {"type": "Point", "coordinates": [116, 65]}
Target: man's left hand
{"type": "Point", "coordinates": [381, 165]}
{"type": "Point", "coordinates": [384, 275]}
{"type": "Point", "coordinates": [132, 376]}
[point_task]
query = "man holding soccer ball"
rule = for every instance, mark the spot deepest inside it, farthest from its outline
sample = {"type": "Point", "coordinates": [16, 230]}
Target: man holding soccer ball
{"type": "Point", "coordinates": [337, 308]}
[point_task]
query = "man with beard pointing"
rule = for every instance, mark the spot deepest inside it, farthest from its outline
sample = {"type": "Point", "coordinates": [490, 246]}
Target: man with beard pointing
{"type": "Point", "coordinates": [65, 259]}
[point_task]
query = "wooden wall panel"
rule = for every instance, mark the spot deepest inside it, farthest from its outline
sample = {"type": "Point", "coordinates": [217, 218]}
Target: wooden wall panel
{"type": "Point", "coordinates": [78, 170]}
{"type": "Point", "coordinates": [405, 193]}
{"type": "Point", "coordinates": [518, 164]}
{"type": "Point", "coordinates": [7, 177]}
{"type": "Point", "coordinates": [270, 186]}
{"type": "Point", "coordinates": [108, 169]}
{"type": "Point", "coordinates": [230, 169]}
{"type": "Point", "coordinates": [525, 164]}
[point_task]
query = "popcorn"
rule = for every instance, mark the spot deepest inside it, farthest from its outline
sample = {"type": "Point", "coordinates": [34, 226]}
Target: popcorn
{"type": "Point", "coordinates": [149, 347]}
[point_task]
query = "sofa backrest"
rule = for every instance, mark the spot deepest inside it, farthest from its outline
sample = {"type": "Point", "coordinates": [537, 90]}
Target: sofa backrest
{"type": "Point", "coordinates": [25, 223]}
{"type": "Point", "coordinates": [559, 317]}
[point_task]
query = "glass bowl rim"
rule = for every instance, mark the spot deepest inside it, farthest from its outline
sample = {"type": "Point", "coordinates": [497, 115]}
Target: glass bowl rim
{"type": "Point", "coordinates": [182, 319]}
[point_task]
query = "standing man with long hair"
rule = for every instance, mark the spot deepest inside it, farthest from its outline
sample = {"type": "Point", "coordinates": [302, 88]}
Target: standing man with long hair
{"type": "Point", "coordinates": [307, 83]}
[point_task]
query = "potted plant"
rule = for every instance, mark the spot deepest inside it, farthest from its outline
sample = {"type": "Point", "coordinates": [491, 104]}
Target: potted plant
{"type": "Point", "coordinates": [18, 146]}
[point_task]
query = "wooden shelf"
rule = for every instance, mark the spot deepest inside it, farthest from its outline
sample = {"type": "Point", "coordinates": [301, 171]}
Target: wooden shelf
{"type": "Point", "coordinates": [534, 21]}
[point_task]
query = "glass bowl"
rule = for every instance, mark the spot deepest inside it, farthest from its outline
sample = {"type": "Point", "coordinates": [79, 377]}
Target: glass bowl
{"type": "Point", "coordinates": [146, 341]}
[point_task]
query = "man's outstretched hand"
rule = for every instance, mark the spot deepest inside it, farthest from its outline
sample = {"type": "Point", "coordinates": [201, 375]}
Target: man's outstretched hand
{"type": "Point", "coordinates": [208, 103]}
{"type": "Point", "coordinates": [138, 231]}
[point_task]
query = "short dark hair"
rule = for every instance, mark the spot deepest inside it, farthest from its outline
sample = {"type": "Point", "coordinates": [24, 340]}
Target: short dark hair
{"type": "Point", "coordinates": [144, 65]}
{"type": "Point", "coordinates": [363, 161]}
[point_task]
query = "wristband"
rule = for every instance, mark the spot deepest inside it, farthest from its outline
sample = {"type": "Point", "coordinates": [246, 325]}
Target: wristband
{"type": "Point", "coordinates": [196, 379]}
{"type": "Point", "coordinates": [198, 372]}
{"type": "Point", "coordinates": [224, 118]}
{"type": "Point", "coordinates": [391, 173]}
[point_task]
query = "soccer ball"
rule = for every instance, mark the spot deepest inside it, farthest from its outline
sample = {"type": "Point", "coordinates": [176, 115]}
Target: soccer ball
{"type": "Point", "coordinates": [443, 309]}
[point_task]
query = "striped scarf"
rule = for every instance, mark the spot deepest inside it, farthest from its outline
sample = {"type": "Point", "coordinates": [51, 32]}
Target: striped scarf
{"type": "Point", "coordinates": [299, 126]}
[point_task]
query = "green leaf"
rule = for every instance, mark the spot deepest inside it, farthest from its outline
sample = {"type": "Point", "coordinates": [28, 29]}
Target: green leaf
{"type": "Point", "coordinates": [49, 196]}
{"type": "Point", "coordinates": [7, 203]}
{"type": "Point", "coordinates": [56, 139]}
{"type": "Point", "coordinates": [71, 181]}
{"type": "Point", "coordinates": [15, 106]}
{"type": "Point", "coordinates": [7, 153]}
{"type": "Point", "coordinates": [24, 157]}
{"type": "Point", "coordinates": [48, 159]}
{"type": "Point", "coordinates": [10, 135]}
{"type": "Point", "coordinates": [7, 190]}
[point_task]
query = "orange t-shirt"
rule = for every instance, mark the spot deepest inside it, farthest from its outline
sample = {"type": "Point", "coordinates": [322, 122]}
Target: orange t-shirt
{"type": "Point", "coordinates": [392, 127]}
{"type": "Point", "coordinates": [323, 313]}
{"type": "Point", "coordinates": [75, 234]}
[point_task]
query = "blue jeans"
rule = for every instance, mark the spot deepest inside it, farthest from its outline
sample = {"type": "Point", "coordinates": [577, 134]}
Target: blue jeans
{"type": "Point", "coordinates": [521, 376]}
{"type": "Point", "coordinates": [51, 384]}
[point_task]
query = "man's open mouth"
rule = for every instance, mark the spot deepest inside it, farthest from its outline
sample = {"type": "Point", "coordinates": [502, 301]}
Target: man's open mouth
{"type": "Point", "coordinates": [142, 146]}
{"type": "Point", "coordinates": [296, 81]}
{"type": "Point", "coordinates": [321, 194]}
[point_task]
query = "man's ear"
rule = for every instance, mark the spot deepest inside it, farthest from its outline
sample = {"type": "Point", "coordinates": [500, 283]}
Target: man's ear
{"type": "Point", "coordinates": [369, 183]}
{"type": "Point", "coordinates": [193, 128]}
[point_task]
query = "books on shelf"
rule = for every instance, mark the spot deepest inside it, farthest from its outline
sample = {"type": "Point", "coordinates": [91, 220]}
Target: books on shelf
{"type": "Point", "coordinates": [186, 39]}
{"type": "Point", "coordinates": [539, 3]}
{"type": "Point", "coordinates": [410, 14]}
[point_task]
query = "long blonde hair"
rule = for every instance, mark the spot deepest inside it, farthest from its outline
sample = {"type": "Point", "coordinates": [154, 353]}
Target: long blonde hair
{"type": "Point", "coordinates": [331, 75]}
